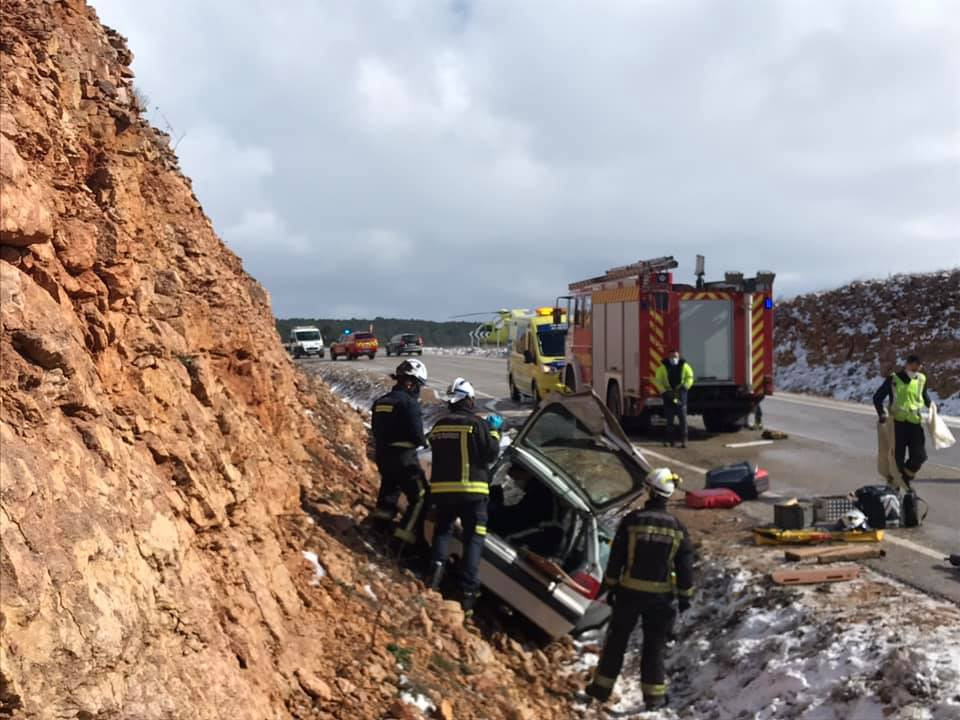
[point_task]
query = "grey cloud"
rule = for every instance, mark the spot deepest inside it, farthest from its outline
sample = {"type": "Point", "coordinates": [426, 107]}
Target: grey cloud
{"type": "Point", "coordinates": [425, 159]}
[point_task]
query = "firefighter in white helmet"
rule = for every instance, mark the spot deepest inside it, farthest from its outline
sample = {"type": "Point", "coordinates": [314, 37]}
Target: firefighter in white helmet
{"type": "Point", "coordinates": [464, 445]}
{"type": "Point", "coordinates": [651, 563]}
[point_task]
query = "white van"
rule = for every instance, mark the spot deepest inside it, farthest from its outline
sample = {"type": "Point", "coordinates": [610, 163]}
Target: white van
{"type": "Point", "coordinates": [306, 340]}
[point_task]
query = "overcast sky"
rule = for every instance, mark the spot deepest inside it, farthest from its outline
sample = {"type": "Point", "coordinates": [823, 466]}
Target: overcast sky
{"type": "Point", "coordinates": [424, 159]}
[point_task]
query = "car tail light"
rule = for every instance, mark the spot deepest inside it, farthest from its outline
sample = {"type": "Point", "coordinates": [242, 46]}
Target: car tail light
{"type": "Point", "coordinates": [419, 341]}
{"type": "Point", "coordinates": [589, 585]}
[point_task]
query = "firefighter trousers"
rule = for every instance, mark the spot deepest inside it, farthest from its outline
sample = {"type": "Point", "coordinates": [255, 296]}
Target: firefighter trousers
{"type": "Point", "coordinates": [407, 480]}
{"type": "Point", "coordinates": [656, 615]}
{"type": "Point", "coordinates": [908, 438]}
{"type": "Point", "coordinates": [473, 519]}
{"type": "Point", "coordinates": [675, 406]}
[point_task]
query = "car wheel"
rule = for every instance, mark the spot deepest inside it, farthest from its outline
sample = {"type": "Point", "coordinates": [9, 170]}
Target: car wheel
{"type": "Point", "coordinates": [372, 355]}
{"type": "Point", "coordinates": [419, 352]}
{"type": "Point", "coordinates": [514, 393]}
{"type": "Point", "coordinates": [351, 357]}
{"type": "Point", "coordinates": [388, 352]}
{"type": "Point", "coordinates": [535, 393]}
{"type": "Point", "coordinates": [613, 401]}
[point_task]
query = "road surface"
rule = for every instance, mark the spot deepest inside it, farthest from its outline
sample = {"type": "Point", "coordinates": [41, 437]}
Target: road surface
{"type": "Point", "coordinates": [831, 451]}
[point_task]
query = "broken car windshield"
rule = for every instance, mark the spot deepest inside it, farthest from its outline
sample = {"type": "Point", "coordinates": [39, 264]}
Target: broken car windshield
{"type": "Point", "coordinates": [599, 467]}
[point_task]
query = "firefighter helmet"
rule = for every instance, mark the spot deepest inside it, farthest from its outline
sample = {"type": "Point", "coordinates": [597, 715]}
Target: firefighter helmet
{"type": "Point", "coordinates": [662, 481]}
{"type": "Point", "coordinates": [413, 369]}
{"type": "Point", "coordinates": [854, 520]}
{"type": "Point", "coordinates": [460, 390]}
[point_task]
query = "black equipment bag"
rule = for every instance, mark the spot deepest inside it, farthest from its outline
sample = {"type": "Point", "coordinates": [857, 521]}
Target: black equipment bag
{"type": "Point", "coordinates": [881, 505]}
{"type": "Point", "coordinates": [911, 509]}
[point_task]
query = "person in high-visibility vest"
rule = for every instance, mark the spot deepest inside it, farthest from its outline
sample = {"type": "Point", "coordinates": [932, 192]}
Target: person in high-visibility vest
{"type": "Point", "coordinates": [906, 394]}
{"type": "Point", "coordinates": [674, 378]}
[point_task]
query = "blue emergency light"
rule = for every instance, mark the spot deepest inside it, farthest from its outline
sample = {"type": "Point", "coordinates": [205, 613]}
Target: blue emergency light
{"type": "Point", "coordinates": [347, 332]}
{"type": "Point", "coordinates": [768, 303]}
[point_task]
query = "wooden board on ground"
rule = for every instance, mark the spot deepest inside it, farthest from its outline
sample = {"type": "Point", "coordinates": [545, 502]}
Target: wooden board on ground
{"type": "Point", "coordinates": [814, 576]}
{"type": "Point", "coordinates": [809, 553]}
{"type": "Point", "coordinates": [840, 554]}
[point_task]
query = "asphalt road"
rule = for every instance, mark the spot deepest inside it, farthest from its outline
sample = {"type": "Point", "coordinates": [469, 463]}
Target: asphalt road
{"type": "Point", "coordinates": [831, 450]}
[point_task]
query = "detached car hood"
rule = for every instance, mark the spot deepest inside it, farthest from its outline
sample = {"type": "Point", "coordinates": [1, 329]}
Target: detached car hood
{"type": "Point", "coordinates": [578, 438]}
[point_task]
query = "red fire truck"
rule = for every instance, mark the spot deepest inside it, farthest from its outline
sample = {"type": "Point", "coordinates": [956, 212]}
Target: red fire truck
{"type": "Point", "coordinates": [625, 321]}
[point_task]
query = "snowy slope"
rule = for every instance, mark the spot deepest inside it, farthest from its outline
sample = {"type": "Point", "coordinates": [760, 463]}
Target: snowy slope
{"type": "Point", "coordinates": [841, 343]}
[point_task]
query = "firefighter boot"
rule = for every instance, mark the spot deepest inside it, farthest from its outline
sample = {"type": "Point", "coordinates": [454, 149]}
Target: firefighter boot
{"type": "Point", "coordinates": [657, 702]}
{"type": "Point", "coordinates": [468, 602]}
{"type": "Point", "coordinates": [683, 441]}
{"type": "Point", "coordinates": [436, 576]}
{"type": "Point", "coordinates": [598, 693]}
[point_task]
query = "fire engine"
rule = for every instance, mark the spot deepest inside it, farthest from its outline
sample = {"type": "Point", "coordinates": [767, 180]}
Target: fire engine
{"type": "Point", "coordinates": [625, 321]}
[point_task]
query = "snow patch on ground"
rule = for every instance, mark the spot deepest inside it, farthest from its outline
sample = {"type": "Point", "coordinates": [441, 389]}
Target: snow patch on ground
{"type": "Point", "coordinates": [491, 352]}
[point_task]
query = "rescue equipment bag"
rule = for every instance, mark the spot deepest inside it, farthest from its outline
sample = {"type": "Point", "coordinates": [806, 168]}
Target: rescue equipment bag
{"type": "Point", "coordinates": [745, 479]}
{"type": "Point", "coordinates": [881, 505]}
{"type": "Point", "coordinates": [911, 509]}
{"type": "Point", "coordinates": [712, 498]}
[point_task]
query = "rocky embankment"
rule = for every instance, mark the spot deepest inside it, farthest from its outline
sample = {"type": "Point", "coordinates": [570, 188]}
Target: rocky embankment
{"type": "Point", "coordinates": [164, 467]}
{"type": "Point", "coordinates": [842, 342]}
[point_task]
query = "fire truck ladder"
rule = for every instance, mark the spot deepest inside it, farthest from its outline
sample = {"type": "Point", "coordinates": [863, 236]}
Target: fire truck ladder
{"type": "Point", "coordinates": [643, 268]}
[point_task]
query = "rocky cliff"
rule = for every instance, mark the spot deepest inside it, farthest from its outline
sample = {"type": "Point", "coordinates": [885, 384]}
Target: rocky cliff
{"type": "Point", "coordinates": [842, 342]}
{"type": "Point", "coordinates": [158, 447]}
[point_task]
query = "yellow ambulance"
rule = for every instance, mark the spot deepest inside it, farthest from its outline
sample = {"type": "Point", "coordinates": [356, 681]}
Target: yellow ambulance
{"type": "Point", "coordinates": [537, 354]}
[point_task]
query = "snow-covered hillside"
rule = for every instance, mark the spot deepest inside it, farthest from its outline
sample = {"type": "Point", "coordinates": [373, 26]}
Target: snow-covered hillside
{"type": "Point", "coordinates": [842, 342]}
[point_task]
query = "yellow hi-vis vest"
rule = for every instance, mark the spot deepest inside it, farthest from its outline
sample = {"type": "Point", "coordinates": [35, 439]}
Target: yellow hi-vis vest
{"type": "Point", "coordinates": [908, 398]}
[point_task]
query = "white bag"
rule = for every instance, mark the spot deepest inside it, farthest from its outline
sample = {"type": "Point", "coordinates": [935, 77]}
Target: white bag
{"type": "Point", "coordinates": [942, 437]}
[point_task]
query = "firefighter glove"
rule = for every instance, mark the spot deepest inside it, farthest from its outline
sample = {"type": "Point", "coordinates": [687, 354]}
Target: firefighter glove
{"type": "Point", "coordinates": [882, 419]}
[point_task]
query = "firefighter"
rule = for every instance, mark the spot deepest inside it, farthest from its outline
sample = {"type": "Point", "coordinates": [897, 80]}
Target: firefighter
{"type": "Point", "coordinates": [651, 562]}
{"type": "Point", "coordinates": [674, 378]}
{"type": "Point", "coordinates": [397, 433]}
{"type": "Point", "coordinates": [906, 391]}
{"type": "Point", "coordinates": [464, 444]}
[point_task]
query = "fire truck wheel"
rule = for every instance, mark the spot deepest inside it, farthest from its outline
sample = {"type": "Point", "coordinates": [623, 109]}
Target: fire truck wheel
{"type": "Point", "coordinates": [535, 393]}
{"type": "Point", "coordinates": [570, 379]}
{"type": "Point", "coordinates": [713, 421]}
{"type": "Point", "coordinates": [613, 401]}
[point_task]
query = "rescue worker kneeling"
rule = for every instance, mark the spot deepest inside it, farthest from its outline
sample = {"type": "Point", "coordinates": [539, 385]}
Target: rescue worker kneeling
{"type": "Point", "coordinates": [651, 561]}
{"type": "Point", "coordinates": [463, 446]}
{"type": "Point", "coordinates": [398, 432]}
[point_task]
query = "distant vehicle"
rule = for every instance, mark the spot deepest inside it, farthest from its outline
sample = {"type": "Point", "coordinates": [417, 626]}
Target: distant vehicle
{"type": "Point", "coordinates": [352, 345]}
{"type": "Point", "coordinates": [537, 354]}
{"type": "Point", "coordinates": [405, 344]}
{"type": "Point", "coordinates": [305, 340]}
{"type": "Point", "coordinates": [574, 449]}
{"type": "Point", "coordinates": [624, 322]}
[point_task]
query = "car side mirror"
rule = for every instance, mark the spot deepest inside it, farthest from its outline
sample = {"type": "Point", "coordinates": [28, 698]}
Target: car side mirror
{"type": "Point", "coordinates": [528, 357]}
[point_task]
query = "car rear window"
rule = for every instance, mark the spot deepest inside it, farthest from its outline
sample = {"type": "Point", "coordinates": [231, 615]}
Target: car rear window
{"type": "Point", "coordinates": [411, 338]}
{"type": "Point", "coordinates": [363, 336]}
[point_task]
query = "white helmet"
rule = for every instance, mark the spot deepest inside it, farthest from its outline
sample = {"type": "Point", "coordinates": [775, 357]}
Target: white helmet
{"type": "Point", "coordinates": [460, 390]}
{"type": "Point", "coordinates": [662, 482]}
{"type": "Point", "coordinates": [412, 368]}
{"type": "Point", "coordinates": [854, 520]}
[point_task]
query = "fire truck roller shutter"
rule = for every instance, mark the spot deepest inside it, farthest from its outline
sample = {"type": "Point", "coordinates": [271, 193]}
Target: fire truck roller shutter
{"type": "Point", "coordinates": [599, 342]}
{"type": "Point", "coordinates": [615, 337]}
{"type": "Point", "coordinates": [631, 348]}
{"type": "Point", "coordinates": [706, 338]}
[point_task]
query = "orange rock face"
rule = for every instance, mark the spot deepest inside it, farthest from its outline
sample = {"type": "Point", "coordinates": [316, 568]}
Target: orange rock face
{"type": "Point", "coordinates": [157, 445]}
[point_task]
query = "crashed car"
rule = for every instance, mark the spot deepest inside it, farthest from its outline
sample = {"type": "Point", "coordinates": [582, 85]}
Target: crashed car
{"type": "Point", "coordinates": [583, 472]}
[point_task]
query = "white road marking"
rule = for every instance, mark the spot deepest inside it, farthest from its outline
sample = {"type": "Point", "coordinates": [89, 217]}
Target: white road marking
{"type": "Point", "coordinates": [673, 461]}
{"type": "Point", "coordinates": [752, 443]}
{"type": "Point", "coordinates": [827, 404]}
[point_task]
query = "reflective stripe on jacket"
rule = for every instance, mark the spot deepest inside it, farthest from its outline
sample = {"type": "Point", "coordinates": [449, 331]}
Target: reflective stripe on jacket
{"type": "Point", "coordinates": [463, 446]}
{"type": "Point", "coordinates": [908, 398]}
{"type": "Point", "coordinates": [651, 553]}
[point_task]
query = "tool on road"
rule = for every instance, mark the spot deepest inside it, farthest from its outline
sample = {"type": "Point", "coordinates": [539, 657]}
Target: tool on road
{"type": "Point", "coordinates": [792, 515]}
{"type": "Point", "coordinates": [812, 536]}
{"type": "Point", "coordinates": [830, 508]}
{"type": "Point", "coordinates": [815, 575]}
{"type": "Point", "coordinates": [721, 498]}
{"type": "Point", "coordinates": [834, 553]}
{"type": "Point", "coordinates": [745, 479]}
{"type": "Point", "coordinates": [774, 435]}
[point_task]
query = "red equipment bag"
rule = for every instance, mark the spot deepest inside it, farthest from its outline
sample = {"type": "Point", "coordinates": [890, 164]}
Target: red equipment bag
{"type": "Point", "coordinates": [712, 498]}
